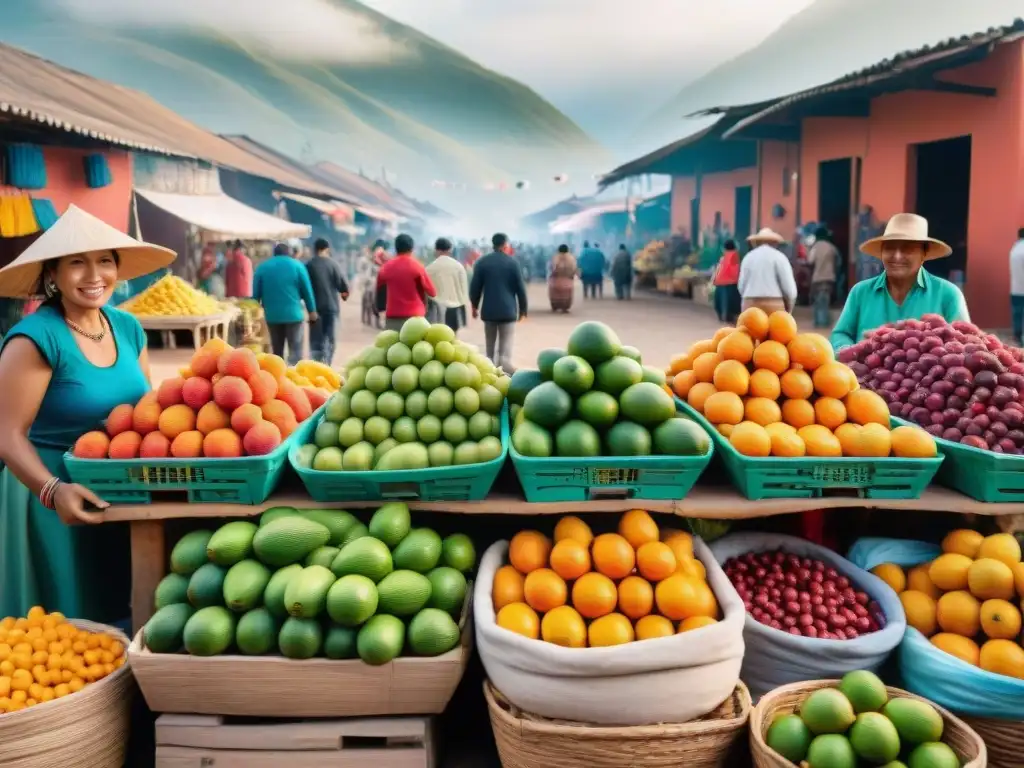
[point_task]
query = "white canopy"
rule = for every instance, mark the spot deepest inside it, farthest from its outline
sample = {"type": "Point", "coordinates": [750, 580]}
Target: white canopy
{"type": "Point", "coordinates": [223, 218]}
{"type": "Point", "coordinates": [587, 218]}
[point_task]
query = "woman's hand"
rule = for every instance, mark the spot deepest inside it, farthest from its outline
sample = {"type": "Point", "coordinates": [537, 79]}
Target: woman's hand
{"type": "Point", "coordinates": [71, 501]}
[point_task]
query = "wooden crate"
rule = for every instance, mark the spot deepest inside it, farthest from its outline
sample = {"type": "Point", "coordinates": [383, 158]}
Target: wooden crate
{"type": "Point", "coordinates": [198, 741]}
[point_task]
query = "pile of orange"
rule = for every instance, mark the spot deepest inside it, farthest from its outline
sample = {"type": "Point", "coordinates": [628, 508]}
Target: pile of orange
{"type": "Point", "coordinates": [968, 599]}
{"type": "Point", "coordinates": [44, 657]}
{"type": "Point", "coordinates": [582, 590]}
{"type": "Point", "coordinates": [773, 391]}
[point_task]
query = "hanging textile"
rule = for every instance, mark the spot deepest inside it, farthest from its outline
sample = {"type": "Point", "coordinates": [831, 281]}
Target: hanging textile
{"type": "Point", "coordinates": [26, 166]}
{"type": "Point", "coordinates": [46, 214]}
{"type": "Point", "coordinates": [17, 218]}
{"type": "Point", "coordinates": [97, 171]}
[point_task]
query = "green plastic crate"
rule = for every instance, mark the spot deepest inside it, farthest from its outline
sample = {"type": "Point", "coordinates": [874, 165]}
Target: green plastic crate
{"type": "Point", "coordinates": [467, 482]}
{"type": "Point", "coordinates": [245, 480]}
{"type": "Point", "coordinates": [608, 477]}
{"type": "Point", "coordinates": [811, 477]}
{"type": "Point", "coordinates": [982, 475]}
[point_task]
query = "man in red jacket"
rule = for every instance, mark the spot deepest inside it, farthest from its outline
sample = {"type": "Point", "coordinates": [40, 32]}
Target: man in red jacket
{"type": "Point", "coordinates": [403, 284]}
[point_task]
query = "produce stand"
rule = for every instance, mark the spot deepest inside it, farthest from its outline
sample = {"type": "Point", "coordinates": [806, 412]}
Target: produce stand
{"type": "Point", "coordinates": [203, 328]}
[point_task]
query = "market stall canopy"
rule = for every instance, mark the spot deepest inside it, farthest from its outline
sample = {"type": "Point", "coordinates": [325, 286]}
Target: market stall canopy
{"type": "Point", "coordinates": [223, 218]}
{"type": "Point", "coordinates": [370, 192]}
{"type": "Point", "coordinates": [588, 217]}
{"type": "Point", "coordinates": [337, 210]}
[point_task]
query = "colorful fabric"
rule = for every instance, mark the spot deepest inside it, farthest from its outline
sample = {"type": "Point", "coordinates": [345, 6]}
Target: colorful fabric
{"type": "Point", "coordinates": [17, 217]}
{"type": "Point", "coordinates": [97, 171]}
{"type": "Point", "coordinates": [728, 272]}
{"type": "Point", "coordinates": [238, 275]}
{"type": "Point", "coordinates": [46, 215]}
{"type": "Point", "coordinates": [26, 166]}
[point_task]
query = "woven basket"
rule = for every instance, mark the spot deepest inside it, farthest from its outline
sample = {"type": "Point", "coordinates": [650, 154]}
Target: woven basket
{"type": "Point", "coordinates": [88, 729]}
{"type": "Point", "coordinates": [1004, 740]}
{"type": "Point", "coordinates": [528, 741]}
{"type": "Point", "coordinates": [787, 699]}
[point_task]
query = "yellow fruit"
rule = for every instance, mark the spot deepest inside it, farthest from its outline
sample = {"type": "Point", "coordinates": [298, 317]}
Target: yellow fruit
{"type": "Point", "coordinates": [1018, 578]}
{"type": "Point", "coordinates": [652, 626]}
{"type": "Point", "coordinates": [959, 612]}
{"type": "Point", "coordinates": [963, 648]}
{"type": "Point", "coordinates": [724, 408]}
{"type": "Point", "coordinates": [1000, 620]}
{"type": "Point", "coordinates": [921, 611]}
{"type": "Point", "coordinates": [570, 527]}
{"type": "Point", "coordinates": [962, 542]}
{"type": "Point", "coordinates": [820, 441]}
{"type": "Point", "coordinates": [797, 385]}
{"type": "Point", "coordinates": [731, 376]}
{"type": "Point", "coordinates": [750, 439]}
{"type": "Point", "coordinates": [875, 441]}
{"type": "Point", "coordinates": [771, 356]}
{"type": "Point", "coordinates": [545, 590]}
{"type": "Point", "coordinates": [696, 622]}
{"type": "Point", "coordinates": [919, 580]}
{"type": "Point", "coordinates": [755, 322]}
{"type": "Point", "coordinates": [913, 443]}
{"type": "Point", "coordinates": [515, 617]}
{"type": "Point", "coordinates": [736, 346]}
{"type": "Point", "coordinates": [829, 412]}
{"type": "Point", "coordinates": [866, 407]}
{"type": "Point", "coordinates": [564, 626]}
{"type": "Point", "coordinates": [832, 379]}
{"type": "Point", "coordinates": [613, 629]}
{"type": "Point", "coordinates": [763, 411]}
{"type": "Point", "coordinates": [1001, 546]}
{"type": "Point", "coordinates": [990, 579]}
{"type": "Point", "coordinates": [765, 383]}
{"type": "Point", "coordinates": [1003, 657]}
{"type": "Point", "coordinates": [892, 575]}
{"type": "Point", "coordinates": [507, 587]}
{"type": "Point", "coordinates": [786, 442]}
{"type": "Point", "coordinates": [949, 572]}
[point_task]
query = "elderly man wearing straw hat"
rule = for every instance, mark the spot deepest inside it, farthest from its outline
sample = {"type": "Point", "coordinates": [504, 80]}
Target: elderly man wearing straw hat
{"type": "Point", "coordinates": [766, 276]}
{"type": "Point", "coordinates": [904, 290]}
{"type": "Point", "coordinates": [62, 370]}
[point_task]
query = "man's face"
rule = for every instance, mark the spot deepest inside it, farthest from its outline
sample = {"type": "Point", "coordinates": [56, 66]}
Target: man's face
{"type": "Point", "coordinates": [902, 259]}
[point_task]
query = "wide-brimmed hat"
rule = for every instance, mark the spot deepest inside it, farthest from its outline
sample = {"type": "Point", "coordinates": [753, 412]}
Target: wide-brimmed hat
{"type": "Point", "coordinates": [80, 232]}
{"type": "Point", "coordinates": [907, 227]}
{"type": "Point", "coordinates": [766, 235]}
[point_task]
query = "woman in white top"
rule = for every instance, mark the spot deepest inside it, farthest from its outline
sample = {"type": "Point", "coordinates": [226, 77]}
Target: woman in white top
{"type": "Point", "coordinates": [766, 275]}
{"type": "Point", "coordinates": [449, 277]}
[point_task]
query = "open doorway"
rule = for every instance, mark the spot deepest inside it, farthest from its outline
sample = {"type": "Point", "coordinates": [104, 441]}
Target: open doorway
{"type": "Point", "coordinates": [744, 198]}
{"type": "Point", "coordinates": [835, 208]}
{"type": "Point", "coordinates": [942, 183]}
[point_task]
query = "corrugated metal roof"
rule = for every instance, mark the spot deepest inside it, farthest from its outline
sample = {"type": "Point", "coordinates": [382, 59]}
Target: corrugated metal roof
{"type": "Point", "coordinates": [370, 191]}
{"type": "Point", "coordinates": [699, 128]}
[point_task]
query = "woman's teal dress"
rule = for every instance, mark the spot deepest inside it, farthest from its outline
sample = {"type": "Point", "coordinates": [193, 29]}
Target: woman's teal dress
{"type": "Point", "coordinates": [83, 571]}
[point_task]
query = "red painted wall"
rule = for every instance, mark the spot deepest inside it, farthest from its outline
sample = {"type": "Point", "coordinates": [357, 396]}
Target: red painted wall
{"type": "Point", "coordinates": [718, 195]}
{"type": "Point", "coordinates": [779, 159]}
{"type": "Point", "coordinates": [684, 189]}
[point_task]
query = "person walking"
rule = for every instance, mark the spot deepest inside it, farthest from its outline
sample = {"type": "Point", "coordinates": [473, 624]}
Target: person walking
{"type": "Point", "coordinates": [592, 268]}
{"type": "Point", "coordinates": [727, 275]}
{"type": "Point", "coordinates": [238, 274]}
{"type": "Point", "coordinates": [561, 283]}
{"type": "Point", "coordinates": [1017, 287]}
{"type": "Point", "coordinates": [329, 284]}
{"type": "Point", "coordinates": [766, 276]}
{"type": "Point", "coordinates": [403, 286]}
{"type": "Point", "coordinates": [622, 273]}
{"type": "Point", "coordinates": [823, 258]}
{"type": "Point", "coordinates": [498, 296]}
{"type": "Point", "coordinates": [452, 284]}
{"type": "Point", "coordinates": [281, 284]}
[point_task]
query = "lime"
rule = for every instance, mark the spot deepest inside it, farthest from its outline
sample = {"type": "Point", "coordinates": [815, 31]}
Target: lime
{"type": "Point", "coordinates": [326, 434]}
{"type": "Point", "coordinates": [467, 453]}
{"type": "Point", "coordinates": [462, 352]}
{"type": "Point", "coordinates": [479, 424]}
{"type": "Point", "coordinates": [502, 384]}
{"type": "Point", "coordinates": [577, 438]}
{"type": "Point", "coordinates": [490, 448]}
{"type": "Point", "coordinates": [405, 379]}
{"type": "Point", "coordinates": [431, 375]}
{"type": "Point", "coordinates": [491, 398]}
{"type": "Point", "coordinates": [440, 402]}
{"type": "Point", "coordinates": [444, 351]}
{"type": "Point", "coordinates": [378, 379]}
{"type": "Point", "coordinates": [390, 405]}
{"type": "Point", "coordinates": [457, 375]}
{"type": "Point", "coordinates": [354, 379]}
{"type": "Point", "coordinates": [413, 330]}
{"type": "Point", "coordinates": [441, 454]}
{"type": "Point", "coordinates": [363, 404]}
{"type": "Point", "coordinates": [377, 429]}
{"type": "Point", "coordinates": [447, 588]}
{"type": "Point", "coordinates": [386, 338]}
{"type": "Point", "coordinates": [532, 440]}
{"type": "Point", "coordinates": [439, 332]}
{"type": "Point", "coordinates": [358, 458]}
{"type": "Point", "coordinates": [599, 409]}
{"type": "Point", "coordinates": [404, 430]}
{"type": "Point", "coordinates": [398, 354]}
{"type": "Point", "coordinates": [458, 552]}
{"type": "Point", "coordinates": [455, 428]}
{"type": "Point", "coordinates": [328, 460]}
{"type": "Point", "coordinates": [350, 432]}
{"type": "Point", "coordinates": [385, 445]}
{"type": "Point", "coordinates": [339, 407]}
{"type": "Point", "coordinates": [422, 353]}
{"type": "Point", "coordinates": [374, 356]}
{"type": "Point", "coordinates": [573, 374]}
{"type": "Point", "coordinates": [416, 404]}
{"type": "Point", "coordinates": [546, 362]}
{"type": "Point", "coordinates": [467, 401]}
{"type": "Point", "coordinates": [304, 456]}
{"type": "Point", "coordinates": [429, 429]}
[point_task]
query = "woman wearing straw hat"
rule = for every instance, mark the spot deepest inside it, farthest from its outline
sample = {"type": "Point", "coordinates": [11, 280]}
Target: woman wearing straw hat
{"type": "Point", "coordinates": [904, 290]}
{"type": "Point", "coordinates": [62, 370]}
{"type": "Point", "coordinates": [766, 276]}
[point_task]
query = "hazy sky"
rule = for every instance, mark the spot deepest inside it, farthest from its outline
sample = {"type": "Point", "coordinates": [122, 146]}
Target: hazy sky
{"type": "Point", "coordinates": [605, 63]}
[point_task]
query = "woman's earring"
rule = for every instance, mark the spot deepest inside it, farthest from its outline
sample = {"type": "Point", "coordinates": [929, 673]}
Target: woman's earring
{"type": "Point", "coordinates": [50, 288]}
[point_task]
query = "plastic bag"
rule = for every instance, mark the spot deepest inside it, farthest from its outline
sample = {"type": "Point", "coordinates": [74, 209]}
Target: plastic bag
{"type": "Point", "coordinates": [774, 658]}
{"type": "Point", "coordinates": [665, 680]}
{"type": "Point", "coordinates": [930, 672]}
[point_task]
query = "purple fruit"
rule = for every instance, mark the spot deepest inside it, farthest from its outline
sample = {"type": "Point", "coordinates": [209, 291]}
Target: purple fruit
{"type": "Point", "coordinates": [859, 369]}
{"type": "Point", "coordinates": [982, 420]}
{"type": "Point", "coordinates": [952, 360]}
{"type": "Point", "coordinates": [943, 387]}
{"type": "Point", "coordinates": [974, 430]}
{"type": "Point", "coordinates": [974, 441]}
{"type": "Point", "coordinates": [952, 434]}
{"type": "Point", "coordinates": [981, 395]}
{"type": "Point", "coordinates": [896, 377]}
{"type": "Point", "coordinates": [934, 402]}
{"type": "Point", "coordinates": [882, 374]}
{"type": "Point", "coordinates": [986, 379]}
{"type": "Point", "coordinates": [935, 430]}
{"type": "Point", "coordinates": [1002, 395]}
{"type": "Point", "coordinates": [955, 402]}
{"type": "Point", "coordinates": [921, 416]}
{"type": "Point", "coordinates": [906, 410]}
{"type": "Point", "coordinates": [959, 376]}
{"type": "Point", "coordinates": [913, 353]}
{"type": "Point", "coordinates": [1017, 435]}
{"type": "Point", "coordinates": [927, 381]}
{"type": "Point", "coordinates": [1012, 380]}
{"type": "Point", "coordinates": [994, 414]}
{"type": "Point", "coordinates": [963, 423]}
{"type": "Point", "coordinates": [999, 429]}
{"type": "Point", "coordinates": [873, 361]}
{"type": "Point", "coordinates": [938, 418]}
{"type": "Point", "coordinates": [950, 417]}
{"type": "Point", "coordinates": [989, 437]}
{"type": "Point", "coordinates": [1014, 418]}
{"type": "Point", "coordinates": [927, 360]}
{"type": "Point", "coordinates": [895, 408]}
{"type": "Point", "coordinates": [963, 392]}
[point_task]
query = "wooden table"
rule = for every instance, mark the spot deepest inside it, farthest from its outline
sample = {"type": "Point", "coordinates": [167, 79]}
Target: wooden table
{"type": "Point", "coordinates": [148, 542]}
{"type": "Point", "coordinates": [203, 327]}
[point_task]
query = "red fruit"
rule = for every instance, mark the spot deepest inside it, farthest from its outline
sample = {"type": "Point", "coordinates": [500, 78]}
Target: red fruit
{"type": "Point", "coordinates": [169, 392]}
{"type": "Point", "coordinates": [231, 392]}
{"type": "Point", "coordinates": [239, 362]}
{"type": "Point", "coordinates": [196, 392]}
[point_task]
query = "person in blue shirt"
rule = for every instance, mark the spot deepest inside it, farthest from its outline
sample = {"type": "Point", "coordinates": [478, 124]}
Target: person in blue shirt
{"type": "Point", "coordinates": [592, 264]}
{"type": "Point", "coordinates": [281, 284]}
{"type": "Point", "coordinates": [62, 370]}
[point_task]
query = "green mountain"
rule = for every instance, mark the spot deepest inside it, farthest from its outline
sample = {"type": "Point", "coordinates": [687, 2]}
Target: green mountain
{"type": "Point", "coordinates": [430, 113]}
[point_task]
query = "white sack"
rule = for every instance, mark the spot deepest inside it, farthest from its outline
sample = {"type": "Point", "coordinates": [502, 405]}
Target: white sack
{"type": "Point", "coordinates": [664, 680]}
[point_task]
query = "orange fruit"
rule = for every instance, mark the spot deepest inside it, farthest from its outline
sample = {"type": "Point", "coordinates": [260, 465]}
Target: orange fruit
{"type": "Point", "coordinates": [571, 527]}
{"type": "Point", "coordinates": [948, 572]}
{"type": "Point", "coordinates": [613, 629]}
{"type": "Point", "coordinates": [1018, 578]}
{"type": "Point", "coordinates": [829, 412]}
{"type": "Point", "coordinates": [892, 575]}
{"type": "Point", "coordinates": [720, 334]}
{"type": "Point", "coordinates": [682, 382]}
{"type": "Point", "coordinates": [679, 364]}
{"type": "Point", "coordinates": [781, 327]}
{"type": "Point", "coordinates": [875, 440]}
{"type": "Point", "coordinates": [849, 435]}
{"type": "Point", "coordinates": [797, 384]}
{"type": "Point", "coordinates": [797, 413]}
{"type": "Point", "coordinates": [750, 439]}
{"type": "Point", "coordinates": [613, 555]}
{"type": "Point", "coordinates": [772, 356]}
{"type": "Point", "coordinates": [820, 441]}
{"type": "Point", "coordinates": [704, 366]}
{"type": "Point", "coordinates": [638, 527]}
{"type": "Point", "coordinates": [570, 559]}
{"type": "Point", "coordinates": [963, 542]}
{"type": "Point", "coordinates": [692, 567]}
{"type": "Point", "coordinates": [764, 383]}
{"type": "Point", "coordinates": [921, 611]}
{"type": "Point", "coordinates": [698, 395]}
{"type": "Point", "coordinates": [700, 347]}
{"type": "Point", "coordinates": [737, 346]}
{"type": "Point", "coordinates": [990, 579]}
{"type": "Point", "coordinates": [565, 627]}
{"type": "Point", "coordinates": [1003, 657]}
{"type": "Point", "coordinates": [810, 350]}
{"type": "Point", "coordinates": [725, 430]}
{"type": "Point", "coordinates": [755, 322]}
{"type": "Point", "coordinates": [919, 580]}
{"type": "Point", "coordinates": [696, 622]}
{"type": "Point", "coordinates": [544, 590]}
{"type": "Point", "coordinates": [866, 407]}
{"type": "Point", "coordinates": [529, 550]}
{"type": "Point", "coordinates": [785, 441]}
{"type": "Point", "coordinates": [519, 618]}
{"type": "Point", "coordinates": [913, 443]}
{"type": "Point", "coordinates": [959, 612]}
{"type": "Point", "coordinates": [1000, 546]}
{"type": "Point", "coordinates": [763, 411]}
{"type": "Point", "coordinates": [594, 595]}
{"type": "Point", "coordinates": [679, 597]}
{"type": "Point", "coordinates": [636, 597]}
{"type": "Point", "coordinates": [656, 561]}
{"type": "Point", "coordinates": [1000, 620]}
{"type": "Point", "coordinates": [963, 648]}
{"type": "Point", "coordinates": [654, 626]}
{"type": "Point", "coordinates": [680, 542]}
{"type": "Point", "coordinates": [832, 379]}
{"type": "Point", "coordinates": [731, 376]}
{"type": "Point", "coordinates": [507, 587]}
{"type": "Point", "coordinates": [724, 408]}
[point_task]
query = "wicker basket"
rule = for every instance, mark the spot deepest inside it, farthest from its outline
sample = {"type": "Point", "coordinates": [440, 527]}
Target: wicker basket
{"type": "Point", "coordinates": [88, 729]}
{"type": "Point", "coordinates": [787, 699]}
{"type": "Point", "coordinates": [528, 741]}
{"type": "Point", "coordinates": [1004, 740]}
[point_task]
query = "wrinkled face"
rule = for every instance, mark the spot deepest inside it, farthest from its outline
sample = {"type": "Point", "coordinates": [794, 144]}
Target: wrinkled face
{"type": "Point", "coordinates": [86, 280]}
{"type": "Point", "coordinates": [902, 259]}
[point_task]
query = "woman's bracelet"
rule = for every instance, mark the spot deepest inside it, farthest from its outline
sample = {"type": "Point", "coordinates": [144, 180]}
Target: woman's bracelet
{"type": "Point", "coordinates": [48, 493]}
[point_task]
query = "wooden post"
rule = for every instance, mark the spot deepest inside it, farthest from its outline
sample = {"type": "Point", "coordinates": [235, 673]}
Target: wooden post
{"type": "Point", "coordinates": [148, 555]}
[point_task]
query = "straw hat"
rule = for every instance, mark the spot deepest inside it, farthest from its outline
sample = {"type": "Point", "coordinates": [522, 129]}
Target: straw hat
{"type": "Point", "coordinates": [80, 232]}
{"type": "Point", "coordinates": [766, 235]}
{"type": "Point", "coordinates": [907, 227]}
